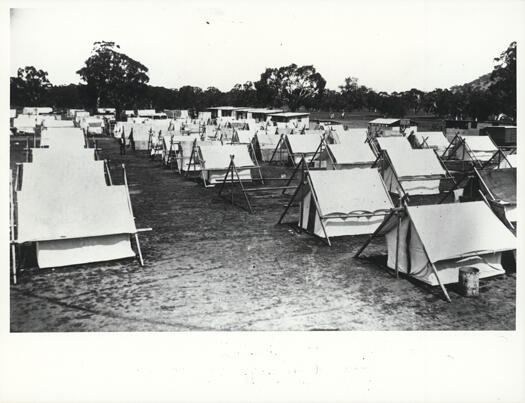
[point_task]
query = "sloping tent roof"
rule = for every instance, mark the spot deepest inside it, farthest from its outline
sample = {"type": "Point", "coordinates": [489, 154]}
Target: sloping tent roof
{"type": "Point", "coordinates": [62, 137]}
{"type": "Point", "coordinates": [75, 212]}
{"type": "Point", "coordinates": [400, 143]}
{"type": "Point", "coordinates": [481, 148]}
{"type": "Point", "coordinates": [501, 183]}
{"type": "Point", "coordinates": [432, 139]}
{"type": "Point", "coordinates": [52, 122]}
{"type": "Point", "coordinates": [356, 152]}
{"type": "Point", "coordinates": [415, 162]}
{"type": "Point", "coordinates": [24, 121]}
{"type": "Point", "coordinates": [351, 136]}
{"type": "Point", "coordinates": [218, 157]}
{"type": "Point", "coordinates": [338, 208]}
{"type": "Point", "coordinates": [383, 121]}
{"type": "Point", "coordinates": [267, 140]}
{"type": "Point", "coordinates": [446, 237]}
{"type": "Point", "coordinates": [303, 144]}
{"type": "Point", "coordinates": [348, 190]}
{"type": "Point", "coordinates": [480, 143]}
{"type": "Point", "coordinates": [469, 228]}
{"type": "Point", "coordinates": [244, 136]}
{"type": "Point", "coordinates": [82, 169]}
{"type": "Point", "coordinates": [49, 155]}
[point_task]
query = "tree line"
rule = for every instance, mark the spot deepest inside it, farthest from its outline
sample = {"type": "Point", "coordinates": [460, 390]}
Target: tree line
{"type": "Point", "coordinates": [110, 78]}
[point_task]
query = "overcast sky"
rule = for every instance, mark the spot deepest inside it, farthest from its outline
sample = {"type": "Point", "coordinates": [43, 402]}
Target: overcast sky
{"type": "Point", "coordinates": [389, 46]}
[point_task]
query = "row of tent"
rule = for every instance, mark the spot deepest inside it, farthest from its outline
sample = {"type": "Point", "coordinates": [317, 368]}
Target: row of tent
{"type": "Point", "coordinates": [65, 204]}
{"type": "Point", "coordinates": [349, 178]}
{"type": "Point", "coordinates": [31, 123]}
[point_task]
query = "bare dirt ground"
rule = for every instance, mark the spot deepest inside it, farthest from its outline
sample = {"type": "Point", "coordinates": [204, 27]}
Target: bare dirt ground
{"type": "Point", "coordinates": [211, 266]}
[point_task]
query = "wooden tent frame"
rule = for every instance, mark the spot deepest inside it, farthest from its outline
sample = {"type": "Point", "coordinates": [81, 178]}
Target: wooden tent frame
{"type": "Point", "coordinates": [233, 169]}
{"type": "Point", "coordinates": [305, 181]}
{"type": "Point", "coordinates": [401, 212]}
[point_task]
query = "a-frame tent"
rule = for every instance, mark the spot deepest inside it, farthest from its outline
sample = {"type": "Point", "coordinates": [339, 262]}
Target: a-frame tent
{"type": "Point", "coordinates": [396, 143]}
{"type": "Point", "coordinates": [432, 242]}
{"type": "Point", "coordinates": [72, 215]}
{"type": "Point", "coordinates": [413, 172]}
{"type": "Point", "coordinates": [435, 140]}
{"type": "Point", "coordinates": [465, 152]}
{"type": "Point", "coordinates": [265, 144]}
{"type": "Point", "coordinates": [215, 160]}
{"type": "Point", "coordinates": [172, 151]}
{"type": "Point", "coordinates": [341, 202]}
{"type": "Point", "coordinates": [498, 187]}
{"type": "Point", "coordinates": [295, 147]}
{"type": "Point", "coordinates": [355, 154]}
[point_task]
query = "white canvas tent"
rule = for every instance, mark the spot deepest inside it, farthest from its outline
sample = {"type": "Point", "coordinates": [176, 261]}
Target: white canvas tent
{"type": "Point", "coordinates": [12, 113]}
{"type": "Point", "coordinates": [71, 214]}
{"type": "Point", "coordinates": [435, 241]}
{"type": "Point", "coordinates": [52, 122]}
{"type": "Point", "coordinates": [39, 110]}
{"type": "Point", "coordinates": [297, 146]}
{"type": "Point", "coordinates": [243, 136]}
{"type": "Point", "coordinates": [172, 150]}
{"type": "Point", "coordinates": [435, 140]}
{"type": "Point", "coordinates": [215, 160]}
{"type": "Point", "coordinates": [342, 202]}
{"type": "Point", "coordinates": [348, 155]}
{"type": "Point", "coordinates": [416, 172]}
{"type": "Point", "coordinates": [475, 149]}
{"type": "Point", "coordinates": [265, 144]}
{"type": "Point", "coordinates": [25, 123]}
{"type": "Point", "coordinates": [62, 138]}
{"type": "Point", "coordinates": [397, 143]}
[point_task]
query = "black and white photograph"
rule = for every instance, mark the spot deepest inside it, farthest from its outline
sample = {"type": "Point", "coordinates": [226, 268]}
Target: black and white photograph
{"type": "Point", "coordinates": [189, 168]}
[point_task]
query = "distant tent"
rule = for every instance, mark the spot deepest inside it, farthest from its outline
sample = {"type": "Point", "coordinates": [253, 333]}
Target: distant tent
{"type": "Point", "coordinates": [25, 123]}
{"type": "Point", "coordinates": [435, 140]}
{"type": "Point", "coordinates": [296, 146]}
{"type": "Point", "coordinates": [468, 151]}
{"type": "Point", "coordinates": [215, 161]}
{"type": "Point", "coordinates": [331, 206]}
{"type": "Point", "coordinates": [348, 155]}
{"type": "Point", "coordinates": [241, 136]}
{"type": "Point", "coordinates": [416, 172]}
{"type": "Point", "coordinates": [265, 144]}
{"type": "Point", "coordinates": [172, 151]}
{"type": "Point", "coordinates": [339, 136]}
{"type": "Point", "coordinates": [12, 113]}
{"type": "Point", "coordinates": [52, 122]}
{"type": "Point", "coordinates": [435, 241]}
{"type": "Point", "coordinates": [398, 143]}
{"type": "Point", "coordinates": [31, 110]}
{"type": "Point", "coordinates": [498, 187]}
{"type": "Point", "coordinates": [62, 137]}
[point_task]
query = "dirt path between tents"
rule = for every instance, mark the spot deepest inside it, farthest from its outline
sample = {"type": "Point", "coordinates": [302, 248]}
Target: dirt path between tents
{"type": "Point", "coordinates": [211, 266]}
